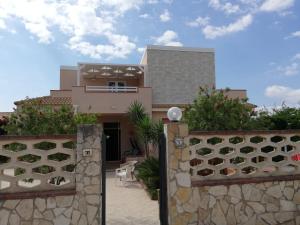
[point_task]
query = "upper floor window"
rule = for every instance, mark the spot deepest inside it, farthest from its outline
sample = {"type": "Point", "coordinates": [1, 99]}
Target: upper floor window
{"type": "Point", "coordinates": [116, 85]}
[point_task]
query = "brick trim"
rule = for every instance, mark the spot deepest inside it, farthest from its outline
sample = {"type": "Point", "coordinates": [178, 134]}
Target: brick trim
{"type": "Point", "coordinates": [245, 132]}
{"type": "Point", "coordinates": [29, 137]}
{"type": "Point", "coordinates": [36, 194]}
{"type": "Point", "coordinates": [255, 180]}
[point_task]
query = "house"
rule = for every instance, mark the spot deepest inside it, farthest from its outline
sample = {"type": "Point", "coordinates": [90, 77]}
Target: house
{"type": "Point", "coordinates": [165, 77]}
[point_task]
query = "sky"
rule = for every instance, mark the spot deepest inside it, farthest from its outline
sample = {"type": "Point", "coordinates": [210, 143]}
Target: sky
{"type": "Point", "coordinates": [256, 42]}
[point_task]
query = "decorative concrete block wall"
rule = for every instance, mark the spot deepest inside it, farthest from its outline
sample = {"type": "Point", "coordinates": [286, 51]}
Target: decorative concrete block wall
{"type": "Point", "coordinates": [230, 201]}
{"type": "Point", "coordinates": [80, 206]}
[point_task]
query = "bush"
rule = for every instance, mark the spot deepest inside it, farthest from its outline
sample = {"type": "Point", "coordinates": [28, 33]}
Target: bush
{"type": "Point", "coordinates": [36, 119]}
{"type": "Point", "coordinates": [212, 110]}
{"type": "Point", "coordinates": [3, 123]}
{"type": "Point", "coordinates": [148, 131]}
{"type": "Point", "coordinates": [284, 118]}
{"type": "Point", "coordinates": [148, 173]}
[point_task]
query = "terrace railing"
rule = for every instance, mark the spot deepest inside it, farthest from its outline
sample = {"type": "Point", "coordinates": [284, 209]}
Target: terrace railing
{"type": "Point", "coordinates": [245, 154]}
{"type": "Point", "coordinates": [30, 163]}
{"type": "Point", "coordinates": [111, 89]}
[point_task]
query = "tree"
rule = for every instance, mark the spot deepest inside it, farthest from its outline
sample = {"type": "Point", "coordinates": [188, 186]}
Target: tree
{"type": "Point", "coordinates": [136, 112]}
{"type": "Point", "coordinates": [35, 119]}
{"type": "Point", "coordinates": [283, 118]}
{"type": "Point", "coordinates": [144, 132]}
{"type": "Point", "coordinates": [148, 131]}
{"type": "Point", "coordinates": [212, 110]}
{"type": "Point", "coordinates": [3, 123]}
{"type": "Point", "coordinates": [157, 128]}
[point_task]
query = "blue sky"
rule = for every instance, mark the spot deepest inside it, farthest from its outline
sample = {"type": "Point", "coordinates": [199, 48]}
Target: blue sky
{"type": "Point", "coordinates": [257, 42]}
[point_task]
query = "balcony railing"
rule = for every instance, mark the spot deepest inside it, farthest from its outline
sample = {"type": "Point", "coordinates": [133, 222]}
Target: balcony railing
{"type": "Point", "coordinates": [111, 89]}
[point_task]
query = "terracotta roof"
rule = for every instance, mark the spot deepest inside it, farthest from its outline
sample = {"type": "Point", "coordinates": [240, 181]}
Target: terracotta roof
{"type": "Point", "coordinates": [5, 114]}
{"type": "Point", "coordinates": [47, 100]}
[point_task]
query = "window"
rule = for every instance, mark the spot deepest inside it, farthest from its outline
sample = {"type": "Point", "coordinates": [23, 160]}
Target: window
{"type": "Point", "coordinates": [116, 86]}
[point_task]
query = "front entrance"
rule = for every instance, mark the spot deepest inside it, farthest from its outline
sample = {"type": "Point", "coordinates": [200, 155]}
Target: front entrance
{"type": "Point", "coordinates": [128, 203]}
{"type": "Point", "coordinates": [112, 132]}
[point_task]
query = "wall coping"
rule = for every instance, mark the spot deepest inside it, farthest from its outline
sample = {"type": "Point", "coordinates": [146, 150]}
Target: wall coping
{"type": "Point", "coordinates": [255, 180]}
{"type": "Point", "coordinates": [37, 194]}
{"type": "Point", "coordinates": [29, 137]}
{"type": "Point", "coordinates": [244, 132]}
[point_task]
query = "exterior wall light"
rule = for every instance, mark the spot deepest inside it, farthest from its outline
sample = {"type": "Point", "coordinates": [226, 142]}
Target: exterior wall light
{"type": "Point", "coordinates": [174, 114]}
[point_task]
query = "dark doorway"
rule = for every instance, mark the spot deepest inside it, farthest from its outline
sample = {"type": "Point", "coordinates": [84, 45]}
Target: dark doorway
{"type": "Point", "coordinates": [113, 141]}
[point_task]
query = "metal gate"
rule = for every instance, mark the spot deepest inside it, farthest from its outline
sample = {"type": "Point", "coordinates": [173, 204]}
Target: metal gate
{"type": "Point", "coordinates": [103, 170]}
{"type": "Point", "coordinates": [163, 197]}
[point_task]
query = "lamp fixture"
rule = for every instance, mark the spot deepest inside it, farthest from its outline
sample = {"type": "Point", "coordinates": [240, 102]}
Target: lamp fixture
{"type": "Point", "coordinates": [174, 114]}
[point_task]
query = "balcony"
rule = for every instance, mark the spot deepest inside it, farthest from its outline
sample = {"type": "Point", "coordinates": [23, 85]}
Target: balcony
{"type": "Point", "coordinates": [111, 89]}
{"type": "Point", "coordinates": [110, 100]}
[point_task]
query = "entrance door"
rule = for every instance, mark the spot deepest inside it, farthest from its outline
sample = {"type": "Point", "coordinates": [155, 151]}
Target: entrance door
{"type": "Point", "coordinates": [113, 141]}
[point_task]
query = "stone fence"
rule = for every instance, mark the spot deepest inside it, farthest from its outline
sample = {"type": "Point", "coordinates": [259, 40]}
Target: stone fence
{"type": "Point", "coordinates": [51, 180]}
{"type": "Point", "coordinates": [233, 178]}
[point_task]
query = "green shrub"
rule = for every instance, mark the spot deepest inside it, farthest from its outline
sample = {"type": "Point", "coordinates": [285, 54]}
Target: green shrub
{"type": "Point", "coordinates": [284, 118]}
{"type": "Point", "coordinates": [148, 173]}
{"type": "Point", "coordinates": [148, 131]}
{"type": "Point", "coordinates": [213, 110]}
{"type": "Point", "coordinates": [32, 118]}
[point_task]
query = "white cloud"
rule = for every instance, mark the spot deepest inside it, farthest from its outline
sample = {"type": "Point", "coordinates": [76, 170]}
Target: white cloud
{"type": "Point", "coordinates": [119, 46]}
{"type": "Point", "coordinates": [145, 16]}
{"type": "Point", "coordinates": [77, 19]}
{"type": "Point", "coordinates": [2, 24]}
{"type": "Point", "coordinates": [284, 94]}
{"type": "Point", "coordinates": [296, 34]}
{"type": "Point", "coordinates": [296, 57]}
{"type": "Point", "coordinates": [168, 1]}
{"type": "Point", "coordinates": [120, 5]}
{"type": "Point", "coordinates": [141, 50]}
{"type": "Point", "coordinates": [152, 2]}
{"type": "Point", "coordinates": [285, 13]}
{"type": "Point", "coordinates": [169, 38]}
{"type": "Point", "coordinates": [276, 5]}
{"type": "Point", "coordinates": [199, 22]}
{"type": "Point", "coordinates": [289, 70]}
{"type": "Point", "coordinates": [165, 16]}
{"type": "Point", "coordinates": [41, 31]}
{"type": "Point", "coordinates": [212, 32]}
{"type": "Point", "coordinates": [228, 7]}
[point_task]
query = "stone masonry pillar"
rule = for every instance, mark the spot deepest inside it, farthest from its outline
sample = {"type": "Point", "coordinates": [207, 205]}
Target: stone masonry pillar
{"type": "Point", "coordinates": [87, 205]}
{"type": "Point", "coordinates": [181, 205]}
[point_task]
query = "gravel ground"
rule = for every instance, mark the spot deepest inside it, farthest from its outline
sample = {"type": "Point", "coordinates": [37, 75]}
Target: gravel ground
{"type": "Point", "coordinates": [129, 205]}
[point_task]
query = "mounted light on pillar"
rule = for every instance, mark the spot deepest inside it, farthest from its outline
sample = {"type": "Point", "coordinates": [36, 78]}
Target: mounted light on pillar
{"type": "Point", "coordinates": [174, 114]}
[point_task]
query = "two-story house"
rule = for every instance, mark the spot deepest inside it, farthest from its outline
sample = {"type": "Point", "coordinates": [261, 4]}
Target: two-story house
{"type": "Point", "coordinates": [165, 77]}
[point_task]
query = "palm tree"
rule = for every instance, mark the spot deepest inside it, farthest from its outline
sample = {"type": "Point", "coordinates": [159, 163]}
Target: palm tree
{"type": "Point", "coordinates": [147, 130]}
{"type": "Point", "coordinates": [136, 112]}
{"type": "Point", "coordinates": [144, 132]}
{"type": "Point", "coordinates": [156, 130]}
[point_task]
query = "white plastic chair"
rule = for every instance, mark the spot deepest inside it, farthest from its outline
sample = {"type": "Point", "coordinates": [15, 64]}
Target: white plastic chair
{"type": "Point", "coordinates": [125, 171]}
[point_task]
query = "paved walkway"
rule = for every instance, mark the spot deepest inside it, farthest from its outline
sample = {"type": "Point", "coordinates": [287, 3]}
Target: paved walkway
{"type": "Point", "coordinates": [129, 205]}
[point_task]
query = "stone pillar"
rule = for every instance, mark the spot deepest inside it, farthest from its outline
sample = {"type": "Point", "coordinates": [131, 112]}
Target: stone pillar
{"type": "Point", "coordinates": [87, 205]}
{"type": "Point", "coordinates": [181, 199]}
